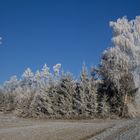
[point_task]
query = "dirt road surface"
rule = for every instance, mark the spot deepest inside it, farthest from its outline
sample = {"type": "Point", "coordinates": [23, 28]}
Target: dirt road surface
{"type": "Point", "coordinates": [13, 128]}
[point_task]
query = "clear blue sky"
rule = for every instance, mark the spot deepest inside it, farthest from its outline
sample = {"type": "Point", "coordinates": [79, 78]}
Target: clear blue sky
{"type": "Point", "coordinates": [54, 31]}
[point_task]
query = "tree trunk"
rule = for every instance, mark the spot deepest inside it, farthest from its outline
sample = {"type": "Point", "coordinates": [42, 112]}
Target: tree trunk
{"type": "Point", "coordinates": [123, 114]}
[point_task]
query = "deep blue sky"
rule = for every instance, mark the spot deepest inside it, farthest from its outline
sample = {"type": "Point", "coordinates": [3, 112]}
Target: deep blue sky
{"type": "Point", "coordinates": [69, 32]}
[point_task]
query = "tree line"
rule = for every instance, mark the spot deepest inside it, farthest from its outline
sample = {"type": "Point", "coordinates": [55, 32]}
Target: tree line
{"type": "Point", "coordinates": [109, 90]}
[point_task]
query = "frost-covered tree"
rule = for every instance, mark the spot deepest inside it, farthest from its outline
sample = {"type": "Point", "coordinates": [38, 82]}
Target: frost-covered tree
{"type": "Point", "coordinates": [84, 90]}
{"type": "Point", "coordinates": [104, 107]}
{"type": "Point", "coordinates": [45, 73]}
{"type": "Point", "coordinates": [38, 75]}
{"type": "Point", "coordinates": [23, 99]}
{"type": "Point", "coordinates": [127, 38]}
{"type": "Point", "coordinates": [10, 85]}
{"type": "Point", "coordinates": [120, 65]}
{"type": "Point", "coordinates": [8, 93]}
{"type": "Point", "coordinates": [42, 77]}
{"type": "Point", "coordinates": [87, 96]}
{"type": "Point", "coordinates": [40, 93]}
{"type": "Point", "coordinates": [63, 99]}
{"type": "Point", "coordinates": [27, 78]}
{"type": "Point", "coordinates": [28, 74]}
{"type": "Point", "coordinates": [41, 105]}
{"type": "Point", "coordinates": [57, 68]}
{"type": "Point", "coordinates": [25, 92]}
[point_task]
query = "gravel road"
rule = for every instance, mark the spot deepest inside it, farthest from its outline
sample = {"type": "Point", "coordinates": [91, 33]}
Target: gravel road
{"type": "Point", "coordinates": [127, 130]}
{"type": "Point", "coordinates": [13, 128]}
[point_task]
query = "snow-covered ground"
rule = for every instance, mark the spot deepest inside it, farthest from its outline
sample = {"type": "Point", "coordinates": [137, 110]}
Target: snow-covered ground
{"type": "Point", "coordinates": [13, 128]}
